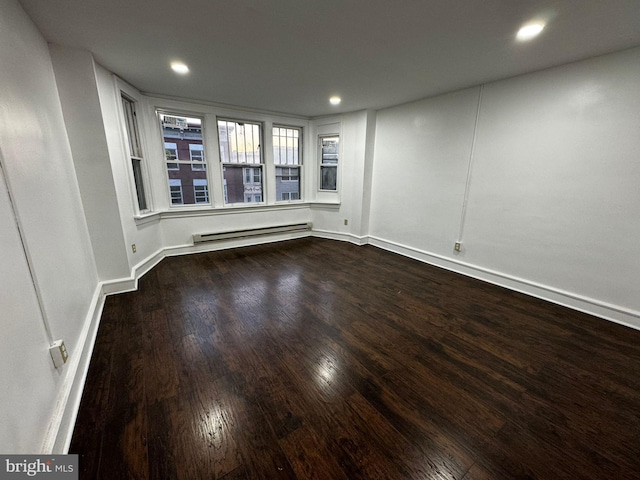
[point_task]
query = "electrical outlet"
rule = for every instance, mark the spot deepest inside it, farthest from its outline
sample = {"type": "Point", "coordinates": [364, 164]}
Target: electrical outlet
{"type": "Point", "coordinates": [59, 353]}
{"type": "Point", "coordinates": [346, 222]}
{"type": "Point", "coordinates": [133, 247]}
{"type": "Point", "coordinates": [458, 246]}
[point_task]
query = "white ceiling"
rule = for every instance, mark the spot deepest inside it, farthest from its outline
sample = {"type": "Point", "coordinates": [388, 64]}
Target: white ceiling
{"type": "Point", "coordinates": [291, 55]}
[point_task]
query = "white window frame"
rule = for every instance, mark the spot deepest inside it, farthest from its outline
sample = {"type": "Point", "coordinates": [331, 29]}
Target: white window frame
{"type": "Point", "coordinates": [322, 164]}
{"type": "Point", "coordinates": [226, 154]}
{"type": "Point", "coordinates": [138, 170]}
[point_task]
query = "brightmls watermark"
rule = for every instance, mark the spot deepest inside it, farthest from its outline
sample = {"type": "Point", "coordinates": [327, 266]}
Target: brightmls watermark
{"type": "Point", "coordinates": [52, 467]}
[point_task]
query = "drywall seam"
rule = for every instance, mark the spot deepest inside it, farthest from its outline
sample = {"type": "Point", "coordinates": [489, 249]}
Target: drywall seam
{"type": "Point", "coordinates": [465, 201]}
{"type": "Point", "coordinates": [27, 256]}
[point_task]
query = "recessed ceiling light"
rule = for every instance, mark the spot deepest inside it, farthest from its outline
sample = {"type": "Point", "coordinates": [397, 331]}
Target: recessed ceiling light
{"type": "Point", "coordinates": [335, 100]}
{"type": "Point", "coordinates": [180, 68]}
{"type": "Point", "coordinates": [527, 32]}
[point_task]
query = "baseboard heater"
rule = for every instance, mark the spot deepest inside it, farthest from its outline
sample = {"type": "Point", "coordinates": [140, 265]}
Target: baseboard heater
{"type": "Point", "coordinates": [250, 232]}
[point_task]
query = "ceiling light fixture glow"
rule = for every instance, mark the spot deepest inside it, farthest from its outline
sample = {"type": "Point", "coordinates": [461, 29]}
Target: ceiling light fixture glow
{"type": "Point", "coordinates": [180, 68]}
{"type": "Point", "coordinates": [529, 31]}
{"type": "Point", "coordinates": [335, 100]}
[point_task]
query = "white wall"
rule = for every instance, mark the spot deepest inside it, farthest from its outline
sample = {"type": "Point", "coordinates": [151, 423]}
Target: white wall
{"type": "Point", "coordinates": [38, 167]}
{"type": "Point", "coordinates": [28, 377]}
{"type": "Point", "coordinates": [420, 169]}
{"type": "Point", "coordinates": [76, 81]}
{"type": "Point", "coordinates": [555, 194]}
{"type": "Point", "coordinates": [553, 197]}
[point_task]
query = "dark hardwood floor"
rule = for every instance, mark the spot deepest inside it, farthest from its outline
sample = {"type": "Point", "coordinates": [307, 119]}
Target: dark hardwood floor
{"type": "Point", "coordinates": [315, 359]}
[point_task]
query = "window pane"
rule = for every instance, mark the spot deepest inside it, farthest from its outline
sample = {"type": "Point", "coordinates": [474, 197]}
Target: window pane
{"type": "Point", "coordinates": [239, 142]}
{"type": "Point", "coordinates": [135, 151]}
{"type": "Point", "coordinates": [286, 146]}
{"type": "Point", "coordinates": [184, 159]}
{"type": "Point", "coordinates": [329, 152]}
{"type": "Point", "coordinates": [328, 177]}
{"type": "Point", "coordinates": [288, 182]}
{"type": "Point", "coordinates": [136, 164]}
{"type": "Point", "coordinates": [132, 127]}
{"type": "Point", "coordinates": [242, 184]}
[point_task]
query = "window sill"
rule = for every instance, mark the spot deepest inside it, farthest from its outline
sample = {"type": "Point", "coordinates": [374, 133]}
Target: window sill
{"type": "Point", "coordinates": [146, 218]}
{"type": "Point", "coordinates": [333, 205]}
{"type": "Point", "coordinates": [229, 209]}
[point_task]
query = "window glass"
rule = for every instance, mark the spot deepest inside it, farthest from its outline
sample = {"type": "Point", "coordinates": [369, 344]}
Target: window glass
{"type": "Point", "coordinates": [286, 156]}
{"type": "Point", "coordinates": [135, 150]}
{"type": "Point", "coordinates": [329, 152]}
{"type": "Point", "coordinates": [184, 159]}
{"type": "Point", "coordinates": [242, 162]}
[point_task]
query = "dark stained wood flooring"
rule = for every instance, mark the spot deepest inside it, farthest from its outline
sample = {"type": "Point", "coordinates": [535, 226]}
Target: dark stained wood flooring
{"type": "Point", "coordinates": [316, 359]}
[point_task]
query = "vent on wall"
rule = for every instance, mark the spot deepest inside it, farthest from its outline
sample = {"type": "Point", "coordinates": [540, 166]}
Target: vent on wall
{"type": "Point", "coordinates": [250, 232]}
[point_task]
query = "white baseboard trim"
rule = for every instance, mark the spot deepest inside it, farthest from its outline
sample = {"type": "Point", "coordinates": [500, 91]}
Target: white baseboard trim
{"type": "Point", "coordinates": [145, 266]}
{"type": "Point", "coordinates": [614, 313]}
{"type": "Point", "coordinates": [343, 237]}
{"type": "Point", "coordinates": [63, 421]}
{"type": "Point", "coordinates": [120, 285]}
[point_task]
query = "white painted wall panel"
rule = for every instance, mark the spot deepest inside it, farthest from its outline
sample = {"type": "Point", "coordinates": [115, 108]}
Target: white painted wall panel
{"type": "Point", "coordinates": [419, 171]}
{"type": "Point", "coordinates": [39, 170]}
{"type": "Point", "coordinates": [29, 383]}
{"type": "Point", "coordinates": [554, 195]}
{"type": "Point", "coordinates": [76, 81]}
{"type": "Point", "coordinates": [178, 231]}
{"type": "Point", "coordinates": [147, 237]}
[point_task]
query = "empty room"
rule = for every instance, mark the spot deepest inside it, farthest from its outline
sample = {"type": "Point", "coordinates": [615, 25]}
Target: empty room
{"type": "Point", "coordinates": [320, 240]}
